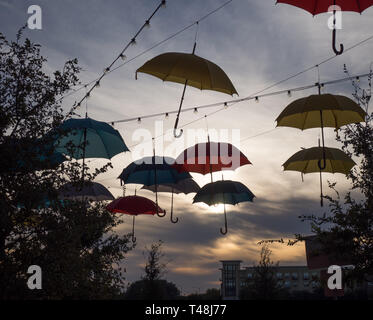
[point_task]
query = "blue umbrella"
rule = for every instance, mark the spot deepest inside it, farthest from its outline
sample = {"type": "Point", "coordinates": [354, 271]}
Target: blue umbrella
{"type": "Point", "coordinates": [225, 192]}
{"type": "Point", "coordinates": [151, 171]}
{"type": "Point", "coordinates": [99, 139]}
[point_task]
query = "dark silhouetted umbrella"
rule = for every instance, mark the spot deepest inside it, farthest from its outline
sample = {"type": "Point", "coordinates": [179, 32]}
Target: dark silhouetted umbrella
{"type": "Point", "coordinates": [224, 192]}
{"type": "Point", "coordinates": [92, 191]}
{"type": "Point", "coordinates": [183, 186]}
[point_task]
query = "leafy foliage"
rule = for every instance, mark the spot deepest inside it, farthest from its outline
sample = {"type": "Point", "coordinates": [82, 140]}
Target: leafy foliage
{"type": "Point", "coordinates": [73, 242]}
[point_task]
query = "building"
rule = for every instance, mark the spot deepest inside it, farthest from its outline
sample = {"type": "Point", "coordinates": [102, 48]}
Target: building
{"type": "Point", "coordinates": [295, 278]}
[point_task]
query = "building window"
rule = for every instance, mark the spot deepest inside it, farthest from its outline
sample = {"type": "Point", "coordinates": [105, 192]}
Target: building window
{"type": "Point", "coordinates": [249, 275]}
{"type": "Point", "coordinates": [306, 276]}
{"type": "Point", "coordinates": [306, 283]}
{"type": "Point", "coordinates": [294, 276]}
{"type": "Point", "coordinates": [279, 275]}
{"type": "Point", "coordinates": [287, 275]}
{"type": "Point", "coordinates": [295, 284]}
{"type": "Point", "coordinates": [287, 284]}
{"type": "Point", "coordinates": [315, 276]}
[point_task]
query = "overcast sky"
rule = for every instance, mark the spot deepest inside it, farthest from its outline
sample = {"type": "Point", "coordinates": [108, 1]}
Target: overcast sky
{"type": "Point", "coordinates": [257, 43]}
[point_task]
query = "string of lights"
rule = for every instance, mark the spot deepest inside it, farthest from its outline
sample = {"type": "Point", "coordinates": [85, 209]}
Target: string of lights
{"type": "Point", "coordinates": [227, 103]}
{"type": "Point", "coordinates": [141, 53]}
{"type": "Point", "coordinates": [122, 56]}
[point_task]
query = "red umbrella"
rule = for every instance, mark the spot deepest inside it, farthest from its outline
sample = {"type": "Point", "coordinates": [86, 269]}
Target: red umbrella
{"type": "Point", "coordinates": [210, 157]}
{"type": "Point", "coordinates": [320, 6]}
{"type": "Point", "coordinates": [133, 205]}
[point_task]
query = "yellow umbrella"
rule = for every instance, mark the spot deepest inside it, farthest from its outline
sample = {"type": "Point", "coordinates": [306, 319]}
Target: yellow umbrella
{"type": "Point", "coordinates": [188, 69]}
{"type": "Point", "coordinates": [307, 161]}
{"type": "Point", "coordinates": [322, 110]}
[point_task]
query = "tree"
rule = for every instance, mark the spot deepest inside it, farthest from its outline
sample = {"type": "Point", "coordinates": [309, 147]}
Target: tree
{"type": "Point", "coordinates": [151, 286]}
{"type": "Point", "coordinates": [264, 284]}
{"type": "Point", "coordinates": [73, 242]}
{"type": "Point", "coordinates": [347, 231]}
{"type": "Point", "coordinates": [210, 294]}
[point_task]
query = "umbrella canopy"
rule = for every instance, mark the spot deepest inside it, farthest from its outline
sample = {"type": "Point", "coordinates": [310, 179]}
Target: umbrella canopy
{"type": "Point", "coordinates": [325, 110]}
{"type": "Point", "coordinates": [319, 6]}
{"type": "Point", "coordinates": [198, 72]}
{"type": "Point", "coordinates": [188, 69]}
{"type": "Point", "coordinates": [306, 161]}
{"type": "Point", "coordinates": [152, 171]}
{"type": "Point", "coordinates": [210, 157]}
{"type": "Point", "coordinates": [225, 192]}
{"type": "Point", "coordinates": [99, 139]}
{"type": "Point", "coordinates": [134, 205]}
{"type": "Point", "coordinates": [183, 186]}
{"type": "Point", "coordinates": [93, 191]}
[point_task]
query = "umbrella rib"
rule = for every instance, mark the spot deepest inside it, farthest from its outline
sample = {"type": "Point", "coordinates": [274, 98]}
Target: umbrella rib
{"type": "Point", "coordinates": [102, 141]}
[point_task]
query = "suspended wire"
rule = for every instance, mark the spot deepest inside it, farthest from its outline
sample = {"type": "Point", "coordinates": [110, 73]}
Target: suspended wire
{"type": "Point", "coordinates": [230, 103]}
{"type": "Point", "coordinates": [233, 102]}
{"type": "Point", "coordinates": [147, 50]}
{"type": "Point", "coordinates": [96, 83]}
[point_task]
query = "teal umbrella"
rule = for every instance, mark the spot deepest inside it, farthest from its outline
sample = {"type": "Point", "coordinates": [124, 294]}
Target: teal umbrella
{"type": "Point", "coordinates": [88, 138]}
{"type": "Point", "coordinates": [224, 192]}
{"type": "Point", "coordinates": [99, 139]}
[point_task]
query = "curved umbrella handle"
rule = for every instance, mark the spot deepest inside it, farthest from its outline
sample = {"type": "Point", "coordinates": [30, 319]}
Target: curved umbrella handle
{"type": "Point", "coordinates": [172, 209]}
{"type": "Point", "coordinates": [177, 135]}
{"type": "Point", "coordinates": [161, 215]}
{"type": "Point", "coordinates": [226, 224]}
{"type": "Point", "coordinates": [323, 166]}
{"type": "Point", "coordinates": [133, 230]}
{"type": "Point", "coordinates": [340, 51]}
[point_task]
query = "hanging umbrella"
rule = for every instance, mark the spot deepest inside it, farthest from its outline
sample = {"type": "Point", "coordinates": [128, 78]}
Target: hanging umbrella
{"type": "Point", "coordinates": [102, 140]}
{"type": "Point", "coordinates": [152, 171]}
{"type": "Point", "coordinates": [183, 186]}
{"type": "Point", "coordinates": [320, 6]}
{"type": "Point", "coordinates": [188, 69]}
{"type": "Point", "coordinates": [322, 110]}
{"type": "Point", "coordinates": [31, 155]}
{"type": "Point", "coordinates": [307, 161]}
{"type": "Point", "coordinates": [225, 192]}
{"type": "Point", "coordinates": [99, 140]}
{"type": "Point", "coordinates": [93, 191]}
{"type": "Point", "coordinates": [134, 205]}
{"type": "Point", "coordinates": [210, 157]}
